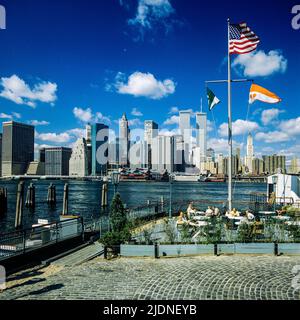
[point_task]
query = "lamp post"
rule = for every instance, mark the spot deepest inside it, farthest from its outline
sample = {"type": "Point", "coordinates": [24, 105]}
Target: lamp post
{"type": "Point", "coordinates": [170, 205]}
{"type": "Point", "coordinates": [275, 180]}
{"type": "Point", "coordinates": [115, 179]}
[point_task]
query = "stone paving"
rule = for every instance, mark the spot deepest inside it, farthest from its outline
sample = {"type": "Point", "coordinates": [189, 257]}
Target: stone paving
{"type": "Point", "coordinates": [185, 278]}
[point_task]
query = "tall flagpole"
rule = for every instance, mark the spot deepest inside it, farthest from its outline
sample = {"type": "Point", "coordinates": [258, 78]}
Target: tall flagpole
{"type": "Point", "coordinates": [229, 125]}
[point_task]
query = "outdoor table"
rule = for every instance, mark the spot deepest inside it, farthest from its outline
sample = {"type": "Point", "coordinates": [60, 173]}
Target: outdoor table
{"type": "Point", "coordinates": [282, 218]}
{"type": "Point", "coordinates": [236, 218]}
{"type": "Point", "coordinates": [200, 218]}
{"type": "Point", "coordinates": [267, 213]}
{"type": "Point", "coordinates": [293, 223]}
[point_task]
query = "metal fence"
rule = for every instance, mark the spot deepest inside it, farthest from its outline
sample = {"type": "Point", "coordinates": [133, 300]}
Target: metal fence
{"type": "Point", "coordinates": [20, 242]}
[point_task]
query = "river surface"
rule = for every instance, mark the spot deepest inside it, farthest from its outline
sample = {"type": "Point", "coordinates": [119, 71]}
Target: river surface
{"type": "Point", "coordinates": [85, 197]}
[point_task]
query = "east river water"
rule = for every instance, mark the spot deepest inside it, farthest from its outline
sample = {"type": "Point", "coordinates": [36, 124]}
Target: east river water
{"type": "Point", "coordinates": [85, 197]}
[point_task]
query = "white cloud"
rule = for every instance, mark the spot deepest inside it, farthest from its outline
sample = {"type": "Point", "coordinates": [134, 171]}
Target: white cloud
{"type": "Point", "coordinates": [84, 115]}
{"type": "Point", "coordinates": [174, 110]}
{"type": "Point", "coordinates": [54, 137]}
{"type": "Point", "coordinates": [272, 137]}
{"type": "Point", "coordinates": [17, 90]}
{"type": "Point", "coordinates": [134, 122]}
{"type": "Point", "coordinates": [10, 116]}
{"type": "Point", "coordinates": [5, 116]}
{"type": "Point", "coordinates": [39, 123]}
{"type": "Point", "coordinates": [151, 11]}
{"type": "Point", "coordinates": [269, 115]}
{"type": "Point", "coordinates": [101, 118]}
{"type": "Point", "coordinates": [144, 85]}
{"type": "Point", "coordinates": [135, 112]}
{"type": "Point", "coordinates": [77, 132]}
{"type": "Point", "coordinates": [239, 127]}
{"type": "Point", "coordinates": [291, 127]}
{"type": "Point", "coordinates": [172, 120]}
{"type": "Point", "coordinates": [260, 64]}
{"type": "Point", "coordinates": [221, 145]}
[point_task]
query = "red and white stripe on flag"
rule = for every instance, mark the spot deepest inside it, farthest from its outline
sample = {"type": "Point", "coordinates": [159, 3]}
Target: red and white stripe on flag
{"type": "Point", "coordinates": [242, 39]}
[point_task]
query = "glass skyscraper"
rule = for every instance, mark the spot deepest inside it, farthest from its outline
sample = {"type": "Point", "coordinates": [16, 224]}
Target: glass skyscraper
{"type": "Point", "coordinates": [99, 138]}
{"type": "Point", "coordinates": [17, 148]}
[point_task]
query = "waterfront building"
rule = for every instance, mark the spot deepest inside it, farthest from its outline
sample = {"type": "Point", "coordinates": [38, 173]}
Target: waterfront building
{"type": "Point", "coordinates": [234, 166]}
{"type": "Point", "coordinates": [42, 155]}
{"type": "Point", "coordinates": [100, 135]}
{"type": "Point", "coordinates": [57, 161]}
{"type": "Point", "coordinates": [17, 148]}
{"type": "Point", "coordinates": [138, 155]}
{"type": "Point", "coordinates": [201, 134]}
{"type": "Point", "coordinates": [113, 154]}
{"type": "Point", "coordinates": [220, 162]}
{"type": "Point", "coordinates": [179, 164]}
{"type": "Point", "coordinates": [250, 153]}
{"type": "Point", "coordinates": [210, 154]}
{"type": "Point", "coordinates": [88, 134]}
{"type": "Point", "coordinates": [185, 131]}
{"type": "Point", "coordinates": [258, 166]}
{"type": "Point", "coordinates": [294, 167]}
{"type": "Point", "coordinates": [124, 137]}
{"type": "Point", "coordinates": [273, 163]}
{"type": "Point", "coordinates": [36, 168]}
{"type": "Point", "coordinates": [163, 148]}
{"type": "Point", "coordinates": [150, 132]}
{"type": "Point", "coordinates": [78, 165]}
{"type": "Point", "coordinates": [209, 167]}
{"type": "Point", "coordinates": [239, 163]}
{"type": "Point", "coordinates": [0, 154]}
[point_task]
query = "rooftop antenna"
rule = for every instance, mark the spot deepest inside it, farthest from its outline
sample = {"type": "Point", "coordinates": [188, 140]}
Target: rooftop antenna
{"type": "Point", "coordinates": [201, 105]}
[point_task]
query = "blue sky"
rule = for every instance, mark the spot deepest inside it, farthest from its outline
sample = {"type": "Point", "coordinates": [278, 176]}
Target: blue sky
{"type": "Point", "coordinates": [64, 63]}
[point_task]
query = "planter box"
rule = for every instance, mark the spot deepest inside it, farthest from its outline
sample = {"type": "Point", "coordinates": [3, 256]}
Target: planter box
{"type": "Point", "coordinates": [254, 248]}
{"type": "Point", "coordinates": [185, 249]}
{"type": "Point", "coordinates": [137, 250]}
{"type": "Point", "coordinates": [289, 248]}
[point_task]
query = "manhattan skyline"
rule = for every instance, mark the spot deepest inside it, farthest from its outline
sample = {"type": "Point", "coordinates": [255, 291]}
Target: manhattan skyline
{"type": "Point", "coordinates": [149, 65]}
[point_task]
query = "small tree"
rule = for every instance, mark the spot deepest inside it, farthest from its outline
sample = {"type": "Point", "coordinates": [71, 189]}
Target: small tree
{"type": "Point", "coordinates": [120, 230]}
{"type": "Point", "coordinates": [118, 217]}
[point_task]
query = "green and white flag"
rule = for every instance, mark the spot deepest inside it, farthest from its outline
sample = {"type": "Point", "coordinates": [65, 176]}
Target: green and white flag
{"type": "Point", "coordinates": [212, 99]}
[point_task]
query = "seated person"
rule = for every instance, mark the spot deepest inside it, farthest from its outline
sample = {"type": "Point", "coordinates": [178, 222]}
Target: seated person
{"type": "Point", "coordinates": [234, 213]}
{"type": "Point", "coordinates": [190, 211]}
{"type": "Point", "coordinates": [209, 212]}
{"type": "Point", "coordinates": [216, 212]}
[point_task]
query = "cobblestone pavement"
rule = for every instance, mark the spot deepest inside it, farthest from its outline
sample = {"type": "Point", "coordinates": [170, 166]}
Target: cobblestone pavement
{"type": "Point", "coordinates": [202, 277]}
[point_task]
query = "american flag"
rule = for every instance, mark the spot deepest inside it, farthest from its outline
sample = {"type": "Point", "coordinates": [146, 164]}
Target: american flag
{"type": "Point", "coordinates": [242, 39]}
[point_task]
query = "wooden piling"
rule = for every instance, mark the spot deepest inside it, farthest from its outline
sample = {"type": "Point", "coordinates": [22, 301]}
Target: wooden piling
{"type": "Point", "coordinates": [19, 205]}
{"type": "Point", "coordinates": [3, 201]}
{"type": "Point", "coordinates": [51, 197]}
{"type": "Point", "coordinates": [104, 201]}
{"type": "Point", "coordinates": [66, 200]}
{"type": "Point", "coordinates": [30, 197]}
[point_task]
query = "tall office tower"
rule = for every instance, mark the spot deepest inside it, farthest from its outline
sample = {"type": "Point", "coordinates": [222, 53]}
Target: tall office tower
{"type": "Point", "coordinates": [124, 136]}
{"type": "Point", "coordinates": [78, 166]}
{"type": "Point", "coordinates": [258, 166]}
{"type": "Point", "coordinates": [88, 134]}
{"type": "Point", "coordinates": [100, 135]}
{"type": "Point", "coordinates": [138, 155]}
{"type": "Point", "coordinates": [150, 132]}
{"type": "Point", "coordinates": [201, 134]}
{"type": "Point", "coordinates": [274, 163]}
{"type": "Point", "coordinates": [0, 154]}
{"type": "Point", "coordinates": [186, 132]}
{"type": "Point", "coordinates": [294, 167]}
{"type": "Point", "coordinates": [250, 153]}
{"type": "Point", "coordinates": [163, 154]}
{"type": "Point", "coordinates": [210, 154]}
{"type": "Point", "coordinates": [179, 164]}
{"type": "Point", "coordinates": [42, 155]}
{"type": "Point", "coordinates": [17, 148]}
{"type": "Point", "coordinates": [113, 154]}
{"type": "Point", "coordinates": [239, 164]}
{"type": "Point", "coordinates": [220, 163]}
{"type": "Point", "coordinates": [57, 161]}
